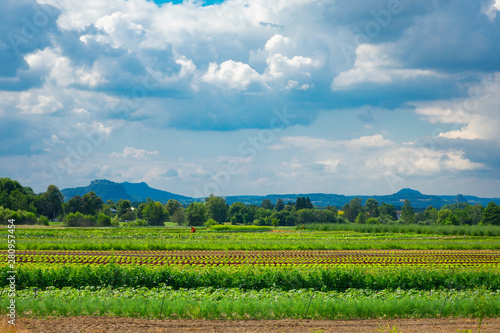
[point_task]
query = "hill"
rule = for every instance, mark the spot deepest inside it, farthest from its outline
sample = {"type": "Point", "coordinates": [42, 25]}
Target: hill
{"type": "Point", "coordinates": [105, 189]}
{"type": "Point", "coordinates": [109, 190]}
{"type": "Point", "coordinates": [142, 191]}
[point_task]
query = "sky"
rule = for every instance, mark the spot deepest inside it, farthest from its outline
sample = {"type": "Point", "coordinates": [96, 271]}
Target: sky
{"type": "Point", "coordinates": [252, 96]}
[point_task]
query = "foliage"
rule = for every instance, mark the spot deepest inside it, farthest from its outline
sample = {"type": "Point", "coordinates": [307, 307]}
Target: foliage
{"type": "Point", "coordinates": [172, 206]}
{"type": "Point", "coordinates": [79, 220]}
{"type": "Point", "coordinates": [14, 196]}
{"type": "Point", "coordinates": [241, 228]}
{"type": "Point", "coordinates": [43, 220]}
{"type": "Point", "coordinates": [20, 216]}
{"type": "Point", "coordinates": [352, 209]}
{"type": "Point", "coordinates": [253, 278]}
{"type": "Point", "coordinates": [196, 214]}
{"type": "Point", "coordinates": [303, 203]}
{"type": "Point", "coordinates": [179, 216]}
{"type": "Point", "coordinates": [266, 204]}
{"type": "Point", "coordinates": [50, 203]}
{"type": "Point", "coordinates": [407, 213]}
{"type": "Point", "coordinates": [216, 208]}
{"type": "Point", "coordinates": [233, 303]}
{"type": "Point", "coordinates": [491, 214]}
{"type": "Point", "coordinates": [446, 217]}
{"type": "Point", "coordinates": [210, 223]}
{"type": "Point", "coordinates": [103, 221]}
{"type": "Point", "coordinates": [155, 214]}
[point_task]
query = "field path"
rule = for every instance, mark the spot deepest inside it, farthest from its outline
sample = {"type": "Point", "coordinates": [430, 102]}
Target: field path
{"type": "Point", "coordinates": [133, 325]}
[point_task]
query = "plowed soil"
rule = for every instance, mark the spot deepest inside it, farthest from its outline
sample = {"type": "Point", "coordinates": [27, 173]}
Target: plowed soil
{"type": "Point", "coordinates": [132, 325]}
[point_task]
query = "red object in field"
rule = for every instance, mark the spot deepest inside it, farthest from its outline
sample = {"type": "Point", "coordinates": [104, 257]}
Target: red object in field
{"type": "Point", "coordinates": [193, 229]}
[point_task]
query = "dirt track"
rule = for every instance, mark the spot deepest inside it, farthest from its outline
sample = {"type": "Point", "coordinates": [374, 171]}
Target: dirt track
{"type": "Point", "coordinates": [131, 325]}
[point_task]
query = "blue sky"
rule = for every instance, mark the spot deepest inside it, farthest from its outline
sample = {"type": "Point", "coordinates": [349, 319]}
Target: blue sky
{"type": "Point", "coordinates": [252, 97]}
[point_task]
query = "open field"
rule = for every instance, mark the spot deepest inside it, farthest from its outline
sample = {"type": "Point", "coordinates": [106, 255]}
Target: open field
{"type": "Point", "coordinates": [142, 239]}
{"type": "Point", "coordinates": [476, 258]}
{"type": "Point", "coordinates": [159, 273]}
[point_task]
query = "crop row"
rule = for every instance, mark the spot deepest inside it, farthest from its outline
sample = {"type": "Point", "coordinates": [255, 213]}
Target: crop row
{"type": "Point", "coordinates": [210, 303]}
{"type": "Point", "coordinates": [253, 277]}
{"type": "Point", "coordinates": [266, 258]}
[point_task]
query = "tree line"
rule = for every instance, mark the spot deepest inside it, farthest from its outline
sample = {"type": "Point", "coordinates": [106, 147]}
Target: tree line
{"type": "Point", "coordinates": [23, 205]}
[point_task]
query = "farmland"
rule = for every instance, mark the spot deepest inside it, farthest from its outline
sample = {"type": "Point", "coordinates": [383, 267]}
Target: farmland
{"type": "Point", "coordinates": [278, 274]}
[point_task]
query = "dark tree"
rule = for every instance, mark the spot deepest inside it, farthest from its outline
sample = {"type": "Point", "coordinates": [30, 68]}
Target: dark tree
{"type": "Point", "coordinates": [280, 205]}
{"type": "Point", "coordinates": [266, 204]}
{"type": "Point", "coordinates": [407, 213]}
{"type": "Point", "coordinates": [216, 208]}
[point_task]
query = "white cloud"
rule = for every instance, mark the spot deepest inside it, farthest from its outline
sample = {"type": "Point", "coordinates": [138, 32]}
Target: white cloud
{"type": "Point", "coordinates": [479, 112]}
{"type": "Point", "coordinates": [232, 74]}
{"type": "Point", "coordinates": [361, 143]}
{"type": "Point", "coordinates": [135, 153]}
{"type": "Point", "coordinates": [444, 115]}
{"type": "Point", "coordinates": [373, 65]}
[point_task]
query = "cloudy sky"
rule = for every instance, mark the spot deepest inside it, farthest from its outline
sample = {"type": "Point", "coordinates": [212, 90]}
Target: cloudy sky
{"type": "Point", "coordinates": [252, 96]}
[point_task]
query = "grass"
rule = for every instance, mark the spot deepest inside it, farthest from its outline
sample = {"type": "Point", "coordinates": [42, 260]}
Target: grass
{"type": "Point", "coordinates": [266, 304]}
{"type": "Point", "coordinates": [253, 278]}
{"type": "Point", "coordinates": [457, 230]}
{"type": "Point", "coordinates": [181, 239]}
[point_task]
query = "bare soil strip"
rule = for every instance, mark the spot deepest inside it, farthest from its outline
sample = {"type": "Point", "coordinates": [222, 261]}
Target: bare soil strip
{"type": "Point", "coordinates": [133, 325]}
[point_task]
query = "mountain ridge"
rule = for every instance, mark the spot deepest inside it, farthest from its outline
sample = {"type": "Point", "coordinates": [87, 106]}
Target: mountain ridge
{"type": "Point", "coordinates": [107, 189]}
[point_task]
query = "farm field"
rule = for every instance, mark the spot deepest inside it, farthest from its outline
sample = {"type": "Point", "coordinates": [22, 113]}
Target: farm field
{"type": "Point", "coordinates": [161, 273]}
{"type": "Point", "coordinates": [324, 258]}
{"type": "Point", "coordinates": [366, 238]}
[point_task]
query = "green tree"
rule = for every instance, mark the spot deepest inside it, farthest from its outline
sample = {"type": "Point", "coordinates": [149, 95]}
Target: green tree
{"type": "Point", "coordinates": [266, 204]}
{"type": "Point", "coordinates": [73, 205]}
{"type": "Point", "coordinates": [216, 208]}
{"type": "Point", "coordinates": [91, 203]}
{"type": "Point", "coordinates": [172, 206]}
{"type": "Point", "coordinates": [491, 214]}
{"type": "Point", "coordinates": [124, 206]}
{"type": "Point", "coordinates": [179, 216]}
{"type": "Point", "coordinates": [407, 213]}
{"type": "Point", "coordinates": [280, 205]}
{"type": "Point", "coordinates": [362, 218]}
{"type": "Point", "coordinates": [155, 214]}
{"type": "Point", "coordinates": [196, 214]}
{"type": "Point", "coordinates": [352, 209]}
{"type": "Point", "coordinates": [50, 203]}
{"type": "Point", "coordinates": [431, 214]}
{"type": "Point", "coordinates": [446, 217]}
{"type": "Point", "coordinates": [386, 209]}
{"type": "Point", "coordinates": [15, 197]}
{"type": "Point", "coordinates": [103, 220]}
{"type": "Point", "coordinates": [372, 207]}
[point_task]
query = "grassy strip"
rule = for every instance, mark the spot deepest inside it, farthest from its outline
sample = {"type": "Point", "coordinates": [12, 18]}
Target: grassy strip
{"type": "Point", "coordinates": [456, 230]}
{"type": "Point", "coordinates": [184, 306]}
{"type": "Point", "coordinates": [254, 278]}
{"type": "Point", "coordinates": [239, 228]}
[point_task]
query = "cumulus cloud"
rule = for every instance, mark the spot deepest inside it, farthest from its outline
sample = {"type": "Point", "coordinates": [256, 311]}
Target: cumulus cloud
{"type": "Point", "coordinates": [105, 67]}
{"type": "Point", "coordinates": [478, 113]}
{"type": "Point", "coordinates": [373, 66]}
{"type": "Point", "coordinates": [231, 74]}
{"type": "Point", "coordinates": [135, 153]}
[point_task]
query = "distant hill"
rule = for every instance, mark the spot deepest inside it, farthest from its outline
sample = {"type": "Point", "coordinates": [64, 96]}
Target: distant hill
{"type": "Point", "coordinates": [142, 191]}
{"type": "Point", "coordinates": [109, 190]}
{"type": "Point", "coordinates": [103, 188]}
{"type": "Point", "coordinates": [417, 199]}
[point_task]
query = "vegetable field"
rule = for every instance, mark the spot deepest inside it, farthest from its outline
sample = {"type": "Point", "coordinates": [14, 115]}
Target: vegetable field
{"type": "Point", "coordinates": [285, 273]}
{"type": "Point", "coordinates": [474, 258]}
